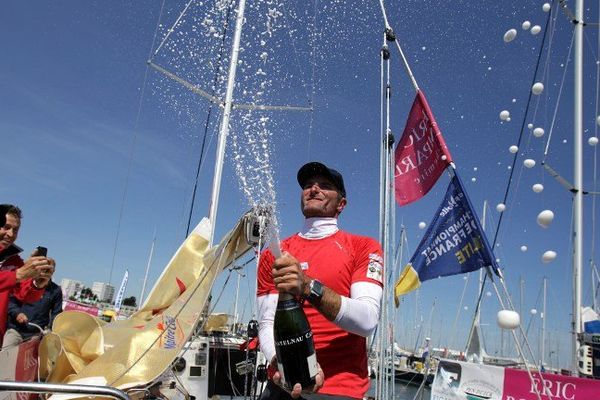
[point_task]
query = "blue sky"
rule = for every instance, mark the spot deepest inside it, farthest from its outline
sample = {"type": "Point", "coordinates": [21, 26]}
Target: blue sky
{"type": "Point", "coordinates": [71, 81]}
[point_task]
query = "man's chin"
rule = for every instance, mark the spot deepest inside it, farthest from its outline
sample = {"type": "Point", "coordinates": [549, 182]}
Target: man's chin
{"type": "Point", "coordinates": [313, 213]}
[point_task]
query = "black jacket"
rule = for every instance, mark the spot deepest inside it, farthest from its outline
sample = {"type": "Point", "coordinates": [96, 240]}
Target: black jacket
{"type": "Point", "coordinates": [42, 312]}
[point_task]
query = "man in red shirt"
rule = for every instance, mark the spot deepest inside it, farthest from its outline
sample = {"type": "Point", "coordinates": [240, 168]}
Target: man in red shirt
{"type": "Point", "coordinates": [341, 277]}
{"type": "Point", "coordinates": [25, 280]}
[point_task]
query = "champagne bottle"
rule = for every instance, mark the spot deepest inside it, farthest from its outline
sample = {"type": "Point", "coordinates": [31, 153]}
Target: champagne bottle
{"type": "Point", "coordinates": [296, 358]}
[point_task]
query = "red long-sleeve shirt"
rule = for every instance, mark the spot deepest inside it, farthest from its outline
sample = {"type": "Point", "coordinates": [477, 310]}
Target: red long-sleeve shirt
{"type": "Point", "coordinates": [23, 291]}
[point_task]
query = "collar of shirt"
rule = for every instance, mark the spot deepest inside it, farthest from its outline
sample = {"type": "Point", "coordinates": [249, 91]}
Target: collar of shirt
{"type": "Point", "coordinates": [318, 228]}
{"type": "Point", "coordinates": [8, 252]}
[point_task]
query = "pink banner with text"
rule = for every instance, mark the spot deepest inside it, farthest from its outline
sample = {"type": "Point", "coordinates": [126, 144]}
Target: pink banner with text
{"type": "Point", "coordinates": [458, 380]}
{"type": "Point", "coordinates": [518, 386]}
{"type": "Point", "coordinates": [74, 306]}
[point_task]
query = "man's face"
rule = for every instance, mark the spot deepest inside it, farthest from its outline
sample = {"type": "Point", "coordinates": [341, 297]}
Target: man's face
{"type": "Point", "coordinates": [10, 230]}
{"type": "Point", "coordinates": [320, 198]}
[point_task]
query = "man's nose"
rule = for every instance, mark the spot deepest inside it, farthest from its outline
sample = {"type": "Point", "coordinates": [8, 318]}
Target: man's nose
{"type": "Point", "coordinates": [314, 188]}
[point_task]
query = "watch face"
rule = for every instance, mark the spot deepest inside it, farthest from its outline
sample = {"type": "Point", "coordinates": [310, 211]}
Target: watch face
{"type": "Point", "coordinates": [316, 290]}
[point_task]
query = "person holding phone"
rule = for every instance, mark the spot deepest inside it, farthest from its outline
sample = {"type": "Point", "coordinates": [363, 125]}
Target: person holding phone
{"type": "Point", "coordinates": [23, 279]}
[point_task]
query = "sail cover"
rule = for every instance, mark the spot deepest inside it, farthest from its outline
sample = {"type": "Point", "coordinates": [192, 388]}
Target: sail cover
{"type": "Point", "coordinates": [125, 354]}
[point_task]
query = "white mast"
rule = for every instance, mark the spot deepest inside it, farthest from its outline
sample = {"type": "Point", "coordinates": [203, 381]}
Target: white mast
{"type": "Point", "coordinates": [478, 308]}
{"type": "Point", "coordinates": [237, 293]}
{"type": "Point", "coordinates": [543, 329]}
{"type": "Point", "coordinates": [141, 301]}
{"type": "Point", "coordinates": [578, 180]}
{"type": "Point", "coordinates": [224, 129]}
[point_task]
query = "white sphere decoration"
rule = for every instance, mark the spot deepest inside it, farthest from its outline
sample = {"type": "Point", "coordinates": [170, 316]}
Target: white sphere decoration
{"type": "Point", "coordinates": [523, 248]}
{"type": "Point", "coordinates": [488, 294]}
{"type": "Point", "coordinates": [504, 115]}
{"type": "Point", "coordinates": [529, 163]}
{"type": "Point", "coordinates": [508, 319]}
{"type": "Point", "coordinates": [444, 157]}
{"type": "Point", "coordinates": [500, 207]}
{"type": "Point", "coordinates": [422, 225]}
{"type": "Point", "coordinates": [536, 29]}
{"type": "Point", "coordinates": [526, 25]}
{"type": "Point", "coordinates": [466, 308]}
{"type": "Point", "coordinates": [537, 88]}
{"type": "Point", "coordinates": [530, 126]}
{"type": "Point", "coordinates": [538, 132]}
{"type": "Point", "coordinates": [538, 187]}
{"type": "Point", "coordinates": [548, 256]}
{"type": "Point", "coordinates": [473, 179]}
{"type": "Point", "coordinates": [508, 119]}
{"type": "Point", "coordinates": [544, 219]}
{"type": "Point", "coordinates": [513, 149]}
{"type": "Point", "coordinates": [593, 141]}
{"type": "Point", "coordinates": [510, 35]}
{"type": "Point", "coordinates": [546, 7]}
{"type": "Point", "coordinates": [533, 311]}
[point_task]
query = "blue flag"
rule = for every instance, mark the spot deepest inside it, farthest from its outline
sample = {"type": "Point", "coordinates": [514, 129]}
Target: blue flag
{"type": "Point", "coordinates": [453, 244]}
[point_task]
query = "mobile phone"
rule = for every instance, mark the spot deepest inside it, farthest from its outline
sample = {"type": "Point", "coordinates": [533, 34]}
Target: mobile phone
{"type": "Point", "coordinates": [42, 251]}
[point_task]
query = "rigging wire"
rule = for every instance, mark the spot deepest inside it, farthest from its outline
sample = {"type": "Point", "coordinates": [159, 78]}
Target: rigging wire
{"type": "Point", "coordinates": [218, 71]}
{"type": "Point", "coordinates": [558, 99]}
{"type": "Point", "coordinates": [458, 310]}
{"type": "Point", "coordinates": [296, 57]}
{"type": "Point", "coordinates": [536, 303]}
{"type": "Point", "coordinates": [133, 146]}
{"type": "Point", "coordinates": [170, 30]}
{"type": "Point", "coordinates": [392, 37]}
{"type": "Point", "coordinates": [537, 65]}
{"type": "Point", "coordinates": [313, 78]}
{"type": "Point", "coordinates": [545, 73]}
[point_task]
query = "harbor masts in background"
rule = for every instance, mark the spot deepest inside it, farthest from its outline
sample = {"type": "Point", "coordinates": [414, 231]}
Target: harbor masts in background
{"type": "Point", "coordinates": [595, 283]}
{"type": "Point", "coordinates": [143, 292]}
{"type": "Point", "coordinates": [577, 180]}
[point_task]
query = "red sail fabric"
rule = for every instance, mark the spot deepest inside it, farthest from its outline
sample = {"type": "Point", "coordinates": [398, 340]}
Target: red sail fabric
{"type": "Point", "coordinates": [421, 156]}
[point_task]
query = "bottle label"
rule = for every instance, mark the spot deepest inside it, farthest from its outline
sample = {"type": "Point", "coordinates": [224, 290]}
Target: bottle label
{"type": "Point", "coordinates": [294, 340]}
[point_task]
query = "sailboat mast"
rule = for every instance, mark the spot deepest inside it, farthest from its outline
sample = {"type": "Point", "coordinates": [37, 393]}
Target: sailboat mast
{"type": "Point", "coordinates": [543, 345]}
{"type": "Point", "coordinates": [578, 180]}
{"type": "Point", "coordinates": [478, 308]}
{"type": "Point", "coordinates": [141, 302]}
{"type": "Point", "coordinates": [224, 129]}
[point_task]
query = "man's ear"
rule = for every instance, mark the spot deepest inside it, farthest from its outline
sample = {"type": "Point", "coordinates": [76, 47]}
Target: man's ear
{"type": "Point", "coordinates": [341, 205]}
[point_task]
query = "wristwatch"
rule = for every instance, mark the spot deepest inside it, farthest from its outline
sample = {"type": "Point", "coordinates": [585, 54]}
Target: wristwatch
{"type": "Point", "coordinates": [316, 292]}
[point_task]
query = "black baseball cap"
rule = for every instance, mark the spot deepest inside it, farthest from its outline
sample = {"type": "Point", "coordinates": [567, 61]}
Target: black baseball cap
{"type": "Point", "coordinates": [3, 210]}
{"type": "Point", "coordinates": [315, 168]}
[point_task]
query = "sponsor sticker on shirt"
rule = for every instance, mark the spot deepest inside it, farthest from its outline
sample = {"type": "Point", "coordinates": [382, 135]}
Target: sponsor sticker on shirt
{"type": "Point", "coordinates": [375, 267]}
{"type": "Point", "coordinates": [304, 266]}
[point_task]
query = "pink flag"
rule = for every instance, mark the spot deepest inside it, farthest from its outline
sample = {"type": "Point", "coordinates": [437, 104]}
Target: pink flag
{"type": "Point", "coordinates": [421, 155]}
